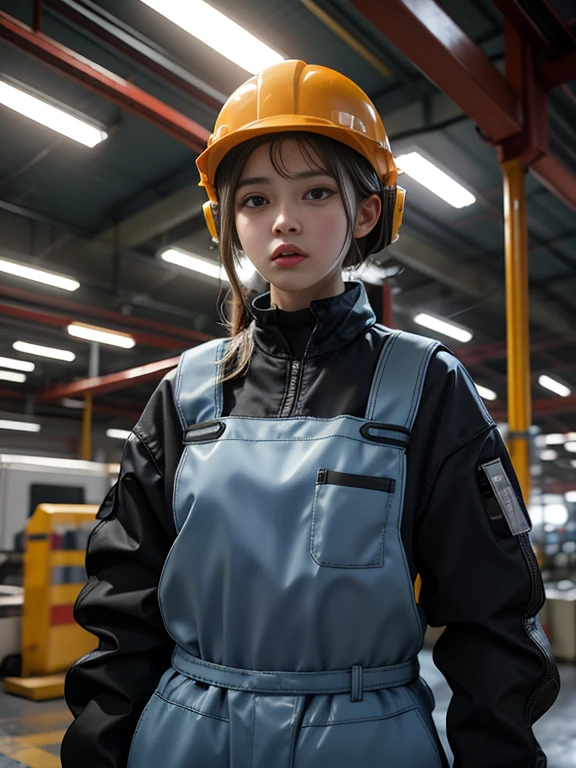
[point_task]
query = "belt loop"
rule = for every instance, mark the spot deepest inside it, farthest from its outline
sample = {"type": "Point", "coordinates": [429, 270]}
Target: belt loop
{"type": "Point", "coordinates": [357, 683]}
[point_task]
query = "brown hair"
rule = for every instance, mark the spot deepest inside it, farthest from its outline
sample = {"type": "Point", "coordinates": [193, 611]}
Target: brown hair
{"type": "Point", "coordinates": [352, 173]}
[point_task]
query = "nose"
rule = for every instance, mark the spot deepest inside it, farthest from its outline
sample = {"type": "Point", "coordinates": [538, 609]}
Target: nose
{"type": "Point", "coordinates": [286, 222]}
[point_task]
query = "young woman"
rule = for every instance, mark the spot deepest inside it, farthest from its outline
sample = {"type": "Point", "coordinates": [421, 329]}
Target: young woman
{"type": "Point", "coordinates": [255, 577]}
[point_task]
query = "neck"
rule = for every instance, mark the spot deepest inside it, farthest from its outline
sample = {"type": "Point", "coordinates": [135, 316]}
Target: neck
{"type": "Point", "coordinates": [291, 301]}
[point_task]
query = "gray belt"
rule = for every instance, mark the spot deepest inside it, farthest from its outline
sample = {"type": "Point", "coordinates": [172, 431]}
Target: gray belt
{"type": "Point", "coordinates": [355, 680]}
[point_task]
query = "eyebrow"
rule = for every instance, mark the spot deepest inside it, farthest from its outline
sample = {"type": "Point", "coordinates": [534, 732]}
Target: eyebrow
{"type": "Point", "coordinates": [265, 180]}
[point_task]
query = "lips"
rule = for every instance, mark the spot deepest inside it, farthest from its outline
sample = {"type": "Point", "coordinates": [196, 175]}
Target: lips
{"type": "Point", "coordinates": [286, 249]}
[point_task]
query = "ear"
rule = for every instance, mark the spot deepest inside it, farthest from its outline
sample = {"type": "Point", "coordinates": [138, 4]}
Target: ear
{"type": "Point", "coordinates": [367, 216]}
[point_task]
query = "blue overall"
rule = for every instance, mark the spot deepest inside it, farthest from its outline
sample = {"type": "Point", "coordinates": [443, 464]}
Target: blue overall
{"type": "Point", "coordinates": [287, 589]}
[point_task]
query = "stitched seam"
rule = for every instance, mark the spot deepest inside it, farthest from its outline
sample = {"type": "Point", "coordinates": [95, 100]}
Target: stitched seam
{"type": "Point", "coordinates": [178, 391]}
{"type": "Point", "coordinates": [177, 487]}
{"type": "Point", "coordinates": [359, 720]}
{"type": "Point", "coordinates": [294, 729]}
{"type": "Point", "coordinates": [411, 596]}
{"type": "Point", "coordinates": [419, 381]}
{"type": "Point", "coordinates": [148, 450]}
{"type": "Point", "coordinates": [429, 735]}
{"type": "Point", "coordinates": [189, 708]}
{"type": "Point", "coordinates": [384, 355]}
{"type": "Point", "coordinates": [381, 373]}
{"type": "Point", "coordinates": [300, 691]}
{"type": "Point", "coordinates": [302, 440]}
{"type": "Point", "coordinates": [178, 651]}
{"type": "Point", "coordinates": [436, 470]}
{"type": "Point", "coordinates": [146, 708]}
{"type": "Point", "coordinates": [253, 727]}
{"type": "Point", "coordinates": [416, 391]}
{"type": "Point", "coordinates": [218, 389]}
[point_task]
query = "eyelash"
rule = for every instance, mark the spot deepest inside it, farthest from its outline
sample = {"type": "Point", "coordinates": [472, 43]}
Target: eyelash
{"type": "Point", "coordinates": [331, 192]}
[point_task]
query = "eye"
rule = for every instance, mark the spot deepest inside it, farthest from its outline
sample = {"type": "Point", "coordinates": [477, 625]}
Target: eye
{"type": "Point", "coordinates": [319, 193]}
{"type": "Point", "coordinates": [254, 201]}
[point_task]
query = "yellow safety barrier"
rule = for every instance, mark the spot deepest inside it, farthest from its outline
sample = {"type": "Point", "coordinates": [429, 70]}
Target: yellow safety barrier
{"type": "Point", "coordinates": [54, 574]}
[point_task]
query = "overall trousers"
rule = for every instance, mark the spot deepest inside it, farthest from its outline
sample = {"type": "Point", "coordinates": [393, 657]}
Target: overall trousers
{"type": "Point", "coordinates": [287, 590]}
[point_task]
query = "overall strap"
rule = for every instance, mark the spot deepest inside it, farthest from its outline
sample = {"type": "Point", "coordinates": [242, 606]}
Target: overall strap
{"type": "Point", "coordinates": [198, 397]}
{"type": "Point", "coordinates": [399, 379]}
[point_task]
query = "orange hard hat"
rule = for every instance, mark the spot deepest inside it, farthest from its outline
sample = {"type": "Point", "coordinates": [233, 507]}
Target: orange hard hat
{"type": "Point", "coordinates": [295, 96]}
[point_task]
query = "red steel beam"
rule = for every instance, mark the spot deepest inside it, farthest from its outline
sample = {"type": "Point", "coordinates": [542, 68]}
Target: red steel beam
{"type": "Point", "coordinates": [558, 71]}
{"type": "Point", "coordinates": [104, 83]}
{"type": "Point", "coordinates": [432, 41]}
{"type": "Point", "coordinates": [60, 321]}
{"type": "Point", "coordinates": [557, 178]}
{"type": "Point", "coordinates": [114, 381]}
{"type": "Point", "coordinates": [179, 334]}
{"type": "Point", "coordinates": [87, 20]}
{"type": "Point", "coordinates": [526, 26]}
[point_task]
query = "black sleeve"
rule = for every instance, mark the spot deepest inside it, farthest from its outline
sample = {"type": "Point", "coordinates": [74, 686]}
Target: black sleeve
{"type": "Point", "coordinates": [486, 590]}
{"type": "Point", "coordinates": [108, 689]}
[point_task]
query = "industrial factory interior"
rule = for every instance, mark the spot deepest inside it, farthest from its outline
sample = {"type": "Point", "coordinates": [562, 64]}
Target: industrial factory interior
{"type": "Point", "coordinates": [188, 565]}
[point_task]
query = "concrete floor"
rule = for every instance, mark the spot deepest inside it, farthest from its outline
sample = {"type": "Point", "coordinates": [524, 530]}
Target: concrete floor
{"type": "Point", "coordinates": [30, 732]}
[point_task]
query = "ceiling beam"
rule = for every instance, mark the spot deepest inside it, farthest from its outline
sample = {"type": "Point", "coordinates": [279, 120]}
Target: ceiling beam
{"type": "Point", "coordinates": [104, 83]}
{"type": "Point", "coordinates": [60, 321]}
{"type": "Point", "coordinates": [102, 24]}
{"type": "Point", "coordinates": [114, 381]}
{"type": "Point", "coordinates": [438, 265]}
{"type": "Point", "coordinates": [125, 322]}
{"type": "Point", "coordinates": [558, 71]}
{"type": "Point", "coordinates": [434, 43]}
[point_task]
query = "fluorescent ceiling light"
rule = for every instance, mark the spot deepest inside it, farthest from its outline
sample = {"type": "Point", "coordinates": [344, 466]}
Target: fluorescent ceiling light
{"type": "Point", "coordinates": [101, 335]}
{"type": "Point", "coordinates": [16, 376]}
{"type": "Point", "coordinates": [219, 32]}
{"type": "Point", "coordinates": [570, 447]}
{"type": "Point", "coordinates": [435, 324]}
{"type": "Point", "coordinates": [17, 365]}
{"type": "Point", "coordinates": [570, 497]}
{"type": "Point", "coordinates": [487, 394]}
{"type": "Point", "coordinates": [431, 177]}
{"type": "Point", "coordinates": [548, 455]}
{"type": "Point", "coordinates": [555, 439]}
{"type": "Point", "coordinates": [118, 434]}
{"type": "Point", "coordinates": [554, 386]}
{"type": "Point", "coordinates": [195, 263]}
{"type": "Point", "coordinates": [36, 349]}
{"type": "Point", "coordinates": [39, 275]}
{"type": "Point", "coordinates": [19, 426]}
{"type": "Point", "coordinates": [57, 119]}
{"type": "Point", "coordinates": [245, 270]}
{"type": "Point", "coordinates": [52, 461]}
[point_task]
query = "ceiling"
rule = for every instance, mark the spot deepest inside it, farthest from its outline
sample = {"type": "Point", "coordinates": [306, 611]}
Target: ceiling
{"type": "Point", "coordinates": [101, 215]}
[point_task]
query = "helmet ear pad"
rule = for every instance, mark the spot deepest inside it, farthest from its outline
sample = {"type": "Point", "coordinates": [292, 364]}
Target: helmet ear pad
{"type": "Point", "coordinates": [212, 216]}
{"type": "Point", "coordinates": [386, 229]}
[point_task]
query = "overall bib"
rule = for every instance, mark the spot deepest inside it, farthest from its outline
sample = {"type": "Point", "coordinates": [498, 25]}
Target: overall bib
{"type": "Point", "coordinates": [287, 589]}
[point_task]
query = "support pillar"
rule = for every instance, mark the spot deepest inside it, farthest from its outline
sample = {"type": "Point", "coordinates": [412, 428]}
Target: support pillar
{"type": "Point", "coordinates": [517, 319]}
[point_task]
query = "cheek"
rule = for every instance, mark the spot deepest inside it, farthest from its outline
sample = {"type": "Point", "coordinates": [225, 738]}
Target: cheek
{"type": "Point", "coordinates": [330, 224]}
{"type": "Point", "coordinates": [247, 228]}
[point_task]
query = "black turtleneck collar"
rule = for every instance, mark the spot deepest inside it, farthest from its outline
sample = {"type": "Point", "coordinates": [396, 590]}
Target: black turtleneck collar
{"type": "Point", "coordinates": [338, 320]}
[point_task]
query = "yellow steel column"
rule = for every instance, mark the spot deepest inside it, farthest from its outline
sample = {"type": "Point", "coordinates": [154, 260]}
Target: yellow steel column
{"type": "Point", "coordinates": [87, 427]}
{"type": "Point", "coordinates": [517, 317]}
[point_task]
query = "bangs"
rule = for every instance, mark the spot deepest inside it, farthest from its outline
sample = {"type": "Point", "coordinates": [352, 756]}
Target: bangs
{"type": "Point", "coordinates": [311, 147]}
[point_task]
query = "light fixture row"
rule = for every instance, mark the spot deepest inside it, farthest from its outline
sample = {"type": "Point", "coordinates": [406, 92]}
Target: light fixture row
{"type": "Point", "coordinates": [30, 426]}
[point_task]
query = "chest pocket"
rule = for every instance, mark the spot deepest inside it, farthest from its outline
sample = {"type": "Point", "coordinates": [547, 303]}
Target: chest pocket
{"type": "Point", "coordinates": [349, 517]}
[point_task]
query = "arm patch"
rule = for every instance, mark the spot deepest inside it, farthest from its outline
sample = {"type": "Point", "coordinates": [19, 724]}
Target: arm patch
{"type": "Point", "coordinates": [504, 510]}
